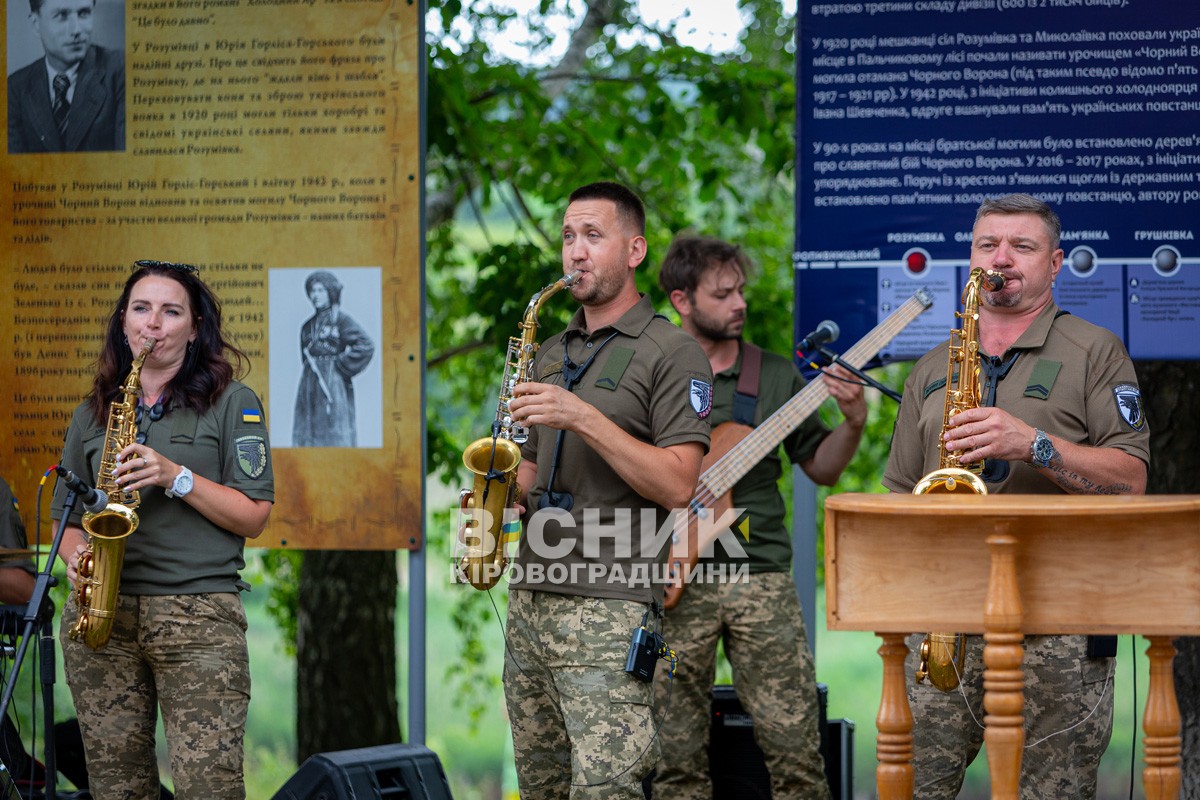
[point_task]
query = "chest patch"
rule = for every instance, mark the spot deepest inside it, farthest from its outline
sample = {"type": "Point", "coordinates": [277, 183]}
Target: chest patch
{"type": "Point", "coordinates": [251, 455]}
{"type": "Point", "coordinates": [1129, 405]}
{"type": "Point", "coordinates": [1041, 380]}
{"type": "Point", "coordinates": [700, 394]}
{"type": "Point", "coordinates": [614, 368]}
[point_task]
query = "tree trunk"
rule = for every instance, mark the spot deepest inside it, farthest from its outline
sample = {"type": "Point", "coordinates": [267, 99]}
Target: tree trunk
{"type": "Point", "coordinates": [346, 652]}
{"type": "Point", "coordinates": [1172, 394]}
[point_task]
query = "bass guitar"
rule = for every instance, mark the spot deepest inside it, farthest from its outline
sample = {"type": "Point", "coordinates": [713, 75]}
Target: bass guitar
{"type": "Point", "coordinates": [736, 448]}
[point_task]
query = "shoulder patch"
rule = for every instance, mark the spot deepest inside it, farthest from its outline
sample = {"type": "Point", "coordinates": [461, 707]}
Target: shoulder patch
{"type": "Point", "coordinates": [700, 393]}
{"type": "Point", "coordinates": [1129, 405]}
{"type": "Point", "coordinates": [251, 455]}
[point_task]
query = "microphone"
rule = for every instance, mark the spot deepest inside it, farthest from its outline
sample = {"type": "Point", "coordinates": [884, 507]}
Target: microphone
{"type": "Point", "coordinates": [93, 499]}
{"type": "Point", "coordinates": [825, 333]}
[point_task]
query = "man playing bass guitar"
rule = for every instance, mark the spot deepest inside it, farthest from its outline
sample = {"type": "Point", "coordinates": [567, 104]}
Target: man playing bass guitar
{"type": "Point", "coordinates": [759, 620]}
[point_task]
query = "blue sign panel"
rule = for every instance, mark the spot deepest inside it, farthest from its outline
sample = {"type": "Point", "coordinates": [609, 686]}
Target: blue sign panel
{"type": "Point", "coordinates": [910, 113]}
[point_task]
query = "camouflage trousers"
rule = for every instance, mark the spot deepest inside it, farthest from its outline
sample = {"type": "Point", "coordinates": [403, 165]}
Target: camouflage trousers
{"type": "Point", "coordinates": [582, 727]}
{"type": "Point", "coordinates": [186, 653]}
{"type": "Point", "coordinates": [1068, 698]}
{"type": "Point", "coordinates": [762, 628]}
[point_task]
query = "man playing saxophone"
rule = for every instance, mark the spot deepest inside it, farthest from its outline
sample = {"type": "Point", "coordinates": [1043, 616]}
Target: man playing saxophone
{"type": "Point", "coordinates": [617, 423]}
{"type": "Point", "coordinates": [1060, 412]}
{"type": "Point", "coordinates": [200, 462]}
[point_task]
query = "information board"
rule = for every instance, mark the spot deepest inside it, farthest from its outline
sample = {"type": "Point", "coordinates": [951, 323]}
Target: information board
{"type": "Point", "coordinates": [271, 143]}
{"type": "Point", "coordinates": [910, 113]}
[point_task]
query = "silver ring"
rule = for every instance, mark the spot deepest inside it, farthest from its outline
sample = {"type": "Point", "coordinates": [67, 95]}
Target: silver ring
{"type": "Point", "coordinates": [144, 462]}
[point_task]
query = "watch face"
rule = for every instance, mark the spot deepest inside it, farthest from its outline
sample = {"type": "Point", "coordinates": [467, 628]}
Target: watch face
{"type": "Point", "coordinates": [1043, 450]}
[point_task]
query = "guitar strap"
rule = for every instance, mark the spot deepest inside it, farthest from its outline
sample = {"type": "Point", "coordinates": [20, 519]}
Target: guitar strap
{"type": "Point", "coordinates": [745, 396]}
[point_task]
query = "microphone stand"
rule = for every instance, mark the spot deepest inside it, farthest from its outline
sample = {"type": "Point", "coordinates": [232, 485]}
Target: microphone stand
{"type": "Point", "coordinates": [33, 611]}
{"type": "Point", "coordinates": [834, 358]}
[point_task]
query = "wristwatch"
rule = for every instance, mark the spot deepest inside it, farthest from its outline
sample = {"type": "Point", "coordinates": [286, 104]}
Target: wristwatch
{"type": "Point", "coordinates": [182, 484]}
{"type": "Point", "coordinates": [1042, 449]}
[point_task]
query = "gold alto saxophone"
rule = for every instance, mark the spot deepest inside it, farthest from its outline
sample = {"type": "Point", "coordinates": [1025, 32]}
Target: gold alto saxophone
{"type": "Point", "coordinates": [99, 571]}
{"type": "Point", "coordinates": [494, 458]}
{"type": "Point", "coordinates": [942, 654]}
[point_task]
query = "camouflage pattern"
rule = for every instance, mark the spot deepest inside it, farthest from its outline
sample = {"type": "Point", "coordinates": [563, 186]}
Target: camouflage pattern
{"type": "Point", "coordinates": [763, 631]}
{"type": "Point", "coordinates": [1062, 688]}
{"type": "Point", "coordinates": [186, 653]}
{"type": "Point", "coordinates": [577, 717]}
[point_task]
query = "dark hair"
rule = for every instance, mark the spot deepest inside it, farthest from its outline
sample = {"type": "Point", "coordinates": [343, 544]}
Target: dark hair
{"type": "Point", "coordinates": [689, 257]}
{"type": "Point", "coordinates": [629, 206]}
{"type": "Point", "coordinates": [206, 371]}
{"type": "Point", "coordinates": [333, 286]}
{"type": "Point", "coordinates": [36, 5]}
{"type": "Point", "coordinates": [1023, 204]}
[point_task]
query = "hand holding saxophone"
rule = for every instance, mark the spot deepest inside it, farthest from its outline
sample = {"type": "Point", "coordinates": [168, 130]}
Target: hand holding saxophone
{"type": "Point", "coordinates": [549, 405]}
{"type": "Point", "coordinates": [987, 432]}
{"type": "Point", "coordinates": [73, 563]}
{"type": "Point", "coordinates": [140, 467]}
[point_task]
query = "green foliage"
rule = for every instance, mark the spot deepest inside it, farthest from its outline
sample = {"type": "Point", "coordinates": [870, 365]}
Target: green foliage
{"type": "Point", "coordinates": [281, 568]}
{"type": "Point", "coordinates": [706, 140]}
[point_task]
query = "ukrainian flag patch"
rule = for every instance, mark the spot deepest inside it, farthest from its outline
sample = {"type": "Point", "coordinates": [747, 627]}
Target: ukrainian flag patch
{"type": "Point", "coordinates": [251, 415]}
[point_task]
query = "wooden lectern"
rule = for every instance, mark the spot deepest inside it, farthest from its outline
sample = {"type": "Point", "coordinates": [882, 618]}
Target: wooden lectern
{"type": "Point", "coordinates": [1006, 566]}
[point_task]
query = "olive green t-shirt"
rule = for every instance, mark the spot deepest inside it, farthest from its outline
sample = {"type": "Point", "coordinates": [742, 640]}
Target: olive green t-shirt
{"type": "Point", "coordinates": [652, 380]}
{"type": "Point", "coordinates": [175, 549]}
{"type": "Point", "coordinates": [761, 529]}
{"type": "Point", "coordinates": [1071, 379]}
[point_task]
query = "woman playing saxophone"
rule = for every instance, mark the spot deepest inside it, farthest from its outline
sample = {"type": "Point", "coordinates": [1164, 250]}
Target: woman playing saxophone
{"type": "Point", "coordinates": [199, 459]}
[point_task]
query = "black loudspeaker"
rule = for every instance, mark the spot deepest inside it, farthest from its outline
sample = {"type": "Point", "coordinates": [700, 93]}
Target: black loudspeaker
{"type": "Point", "coordinates": [737, 765]}
{"type": "Point", "coordinates": [388, 772]}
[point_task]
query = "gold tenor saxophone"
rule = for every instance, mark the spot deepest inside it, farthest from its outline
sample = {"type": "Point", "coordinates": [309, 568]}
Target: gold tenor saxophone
{"type": "Point", "coordinates": [942, 654]}
{"type": "Point", "coordinates": [494, 458]}
{"type": "Point", "coordinates": [99, 571]}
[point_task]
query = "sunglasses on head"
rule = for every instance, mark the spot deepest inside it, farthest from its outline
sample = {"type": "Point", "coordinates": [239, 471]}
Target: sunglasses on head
{"type": "Point", "coordinates": [186, 269]}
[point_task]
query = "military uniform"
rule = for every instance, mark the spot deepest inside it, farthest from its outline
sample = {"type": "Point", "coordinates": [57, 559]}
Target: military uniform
{"type": "Point", "coordinates": [179, 634]}
{"type": "Point", "coordinates": [12, 537]}
{"type": "Point", "coordinates": [12, 530]}
{"type": "Point", "coordinates": [582, 726]}
{"type": "Point", "coordinates": [760, 623]}
{"type": "Point", "coordinates": [1076, 381]}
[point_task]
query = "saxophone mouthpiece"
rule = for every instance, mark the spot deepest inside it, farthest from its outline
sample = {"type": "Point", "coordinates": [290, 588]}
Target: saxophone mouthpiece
{"type": "Point", "coordinates": [993, 281]}
{"type": "Point", "coordinates": [569, 280]}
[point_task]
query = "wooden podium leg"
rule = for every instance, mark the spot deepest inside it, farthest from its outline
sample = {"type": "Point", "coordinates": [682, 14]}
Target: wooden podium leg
{"type": "Point", "coordinates": [893, 743]}
{"type": "Point", "coordinates": [1161, 724]}
{"type": "Point", "coordinates": [1003, 679]}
